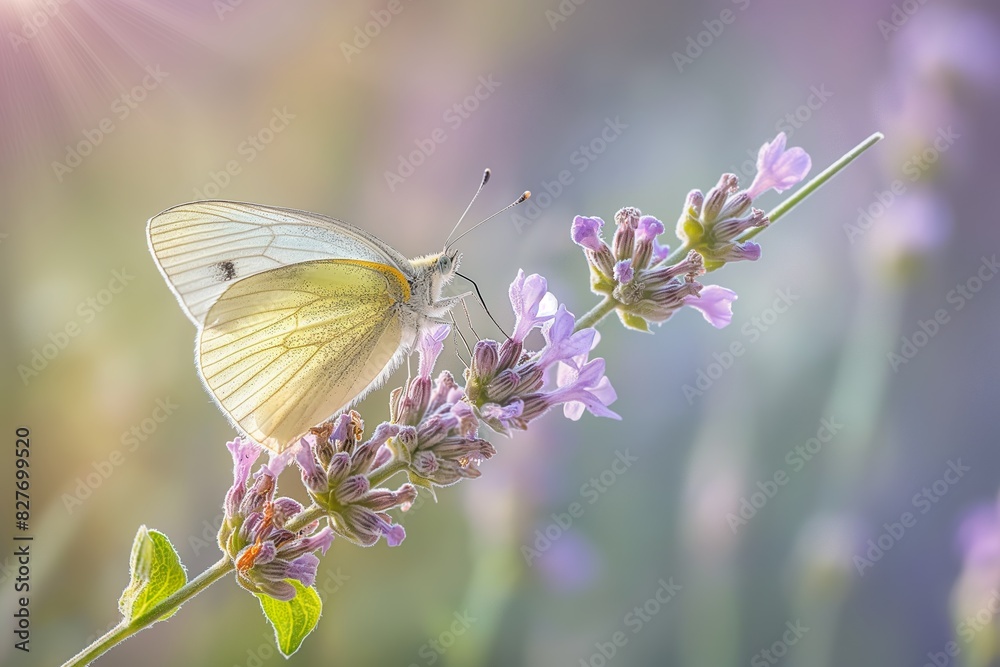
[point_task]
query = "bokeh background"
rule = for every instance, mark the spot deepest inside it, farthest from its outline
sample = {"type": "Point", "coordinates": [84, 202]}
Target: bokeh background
{"type": "Point", "coordinates": [699, 86]}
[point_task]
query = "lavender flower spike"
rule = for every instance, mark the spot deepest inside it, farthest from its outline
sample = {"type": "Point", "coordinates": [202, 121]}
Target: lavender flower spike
{"type": "Point", "coordinates": [779, 168]}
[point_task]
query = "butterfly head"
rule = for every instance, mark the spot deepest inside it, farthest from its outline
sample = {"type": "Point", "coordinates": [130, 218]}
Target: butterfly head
{"type": "Point", "coordinates": [435, 271]}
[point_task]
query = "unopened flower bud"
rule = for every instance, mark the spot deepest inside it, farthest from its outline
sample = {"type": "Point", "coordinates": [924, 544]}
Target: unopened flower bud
{"type": "Point", "coordinates": [736, 206]}
{"type": "Point", "coordinates": [729, 229]}
{"type": "Point", "coordinates": [503, 386]}
{"type": "Point", "coordinates": [340, 466]}
{"type": "Point", "coordinates": [351, 489]}
{"type": "Point", "coordinates": [484, 359]}
{"type": "Point", "coordinates": [624, 241]}
{"type": "Point", "coordinates": [510, 354]}
{"type": "Point", "coordinates": [716, 199]}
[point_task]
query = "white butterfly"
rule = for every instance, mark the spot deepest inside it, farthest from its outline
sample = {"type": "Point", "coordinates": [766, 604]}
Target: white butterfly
{"type": "Point", "coordinates": [298, 315]}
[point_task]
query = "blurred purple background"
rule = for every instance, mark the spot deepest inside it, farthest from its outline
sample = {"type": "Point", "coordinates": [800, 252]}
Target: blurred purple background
{"type": "Point", "coordinates": [113, 110]}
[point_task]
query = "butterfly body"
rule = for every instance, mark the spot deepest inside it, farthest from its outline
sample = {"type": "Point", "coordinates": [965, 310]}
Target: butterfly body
{"type": "Point", "coordinates": [298, 315]}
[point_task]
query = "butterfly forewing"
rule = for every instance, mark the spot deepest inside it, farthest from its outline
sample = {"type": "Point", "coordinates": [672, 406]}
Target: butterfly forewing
{"type": "Point", "coordinates": [203, 247]}
{"type": "Point", "coordinates": [283, 350]}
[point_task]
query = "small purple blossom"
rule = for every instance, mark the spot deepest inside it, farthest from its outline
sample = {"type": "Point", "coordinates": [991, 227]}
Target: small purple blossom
{"type": "Point", "coordinates": [562, 343]}
{"type": "Point", "coordinates": [526, 296]}
{"type": "Point", "coordinates": [430, 346]}
{"type": "Point", "coordinates": [245, 452]}
{"type": "Point", "coordinates": [623, 271]}
{"type": "Point", "coordinates": [715, 303]}
{"type": "Point", "coordinates": [648, 228]}
{"type": "Point", "coordinates": [779, 168]}
{"type": "Point", "coordinates": [586, 232]}
{"type": "Point", "coordinates": [583, 386]}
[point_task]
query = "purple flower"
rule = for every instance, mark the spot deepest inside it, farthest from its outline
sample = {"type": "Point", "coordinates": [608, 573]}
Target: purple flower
{"type": "Point", "coordinates": [648, 228]}
{"type": "Point", "coordinates": [562, 343]}
{"type": "Point", "coordinates": [583, 386]}
{"type": "Point", "coordinates": [245, 453]}
{"type": "Point", "coordinates": [502, 418]}
{"type": "Point", "coordinates": [623, 271]}
{"type": "Point", "coordinates": [586, 232]}
{"type": "Point", "coordinates": [646, 232]}
{"type": "Point", "coordinates": [253, 535]}
{"type": "Point", "coordinates": [715, 304]}
{"type": "Point", "coordinates": [779, 168]}
{"type": "Point", "coordinates": [430, 346]}
{"type": "Point", "coordinates": [526, 296]}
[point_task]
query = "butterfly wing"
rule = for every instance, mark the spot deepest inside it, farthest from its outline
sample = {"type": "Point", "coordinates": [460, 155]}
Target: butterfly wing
{"type": "Point", "coordinates": [282, 351]}
{"type": "Point", "coordinates": [201, 248]}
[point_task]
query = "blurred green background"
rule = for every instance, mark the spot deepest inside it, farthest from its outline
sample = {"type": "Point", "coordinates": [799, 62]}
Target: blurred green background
{"type": "Point", "coordinates": [293, 104]}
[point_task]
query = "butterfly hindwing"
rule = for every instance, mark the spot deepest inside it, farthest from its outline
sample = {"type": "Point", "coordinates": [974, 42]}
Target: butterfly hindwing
{"type": "Point", "coordinates": [283, 350]}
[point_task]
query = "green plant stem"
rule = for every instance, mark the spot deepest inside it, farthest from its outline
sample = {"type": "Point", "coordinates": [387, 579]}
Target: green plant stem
{"type": "Point", "coordinates": [608, 303]}
{"type": "Point", "coordinates": [597, 313]}
{"type": "Point", "coordinates": [169, 604]}
{"type": "Point", "coordinates": [164, 608]}
{"type": "Point", "coordinates": [385, 472]}
{"type": "Point", "coordinates": [816, 183]}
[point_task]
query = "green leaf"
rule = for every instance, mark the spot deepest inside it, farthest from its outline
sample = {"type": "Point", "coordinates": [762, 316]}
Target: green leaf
{"type": "Point", "coordinates": [633, 321]}
{"type": "Point", "coordinates": [156, 573]}
{"type": "Point", "coordinates": [293, 620]}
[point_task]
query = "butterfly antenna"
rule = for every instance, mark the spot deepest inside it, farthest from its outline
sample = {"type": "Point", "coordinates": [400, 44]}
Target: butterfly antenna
{"type": "Point", "coordinates": [524, 197]}
{"type": "Point", "coordinates": [486, 179]}
{"type": "Point", "coordinates": [483, 301]}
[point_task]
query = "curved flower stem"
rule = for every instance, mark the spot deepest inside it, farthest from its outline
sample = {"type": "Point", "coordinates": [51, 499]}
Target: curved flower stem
{"type": "Point", "coordinates": [164, 608]}
{"type": "Point", "coordinates": [385, 472]}
{"type": "Point", "coordinates": [817, 182]}
{"type": "Point", "coordinates": [312, 513]}
{"type": "Point", "coordinates": [596, 314]}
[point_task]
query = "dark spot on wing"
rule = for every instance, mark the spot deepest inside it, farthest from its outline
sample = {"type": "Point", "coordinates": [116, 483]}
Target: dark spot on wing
{"type": "Point", "coordinates": [227, 270]}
